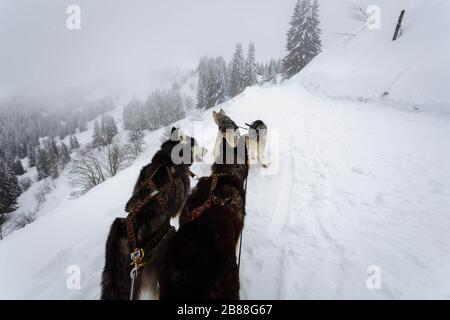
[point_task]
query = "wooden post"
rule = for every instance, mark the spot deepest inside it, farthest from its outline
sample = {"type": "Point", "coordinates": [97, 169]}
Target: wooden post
{"type": "Point", "coordinates": [399, 25]}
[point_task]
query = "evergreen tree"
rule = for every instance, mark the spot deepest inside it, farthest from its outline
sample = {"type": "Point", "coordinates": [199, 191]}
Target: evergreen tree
{"type": "Point", "coordinates": [53, 157]}
{"type": "Point", "coordinates": [74, 143]}
{"type": "Point", "coordinates": [229, 69]}
{"type": "Point", "coordinates": [136, 138]}
{"type": "Point", "coordinates": [82, 124]}
{"type": "Point", "coordinates": [134, 115]}
{"type": "Point", "coordinates": [237, 76]}
{"type": "Point", "coordinates": [5, 198]}
{"type": "Point", "coordinates": [215, 89]}
{"type": "Point", "coordinates": [250, 67]}
{"type": "Point", "coordinates": [313, 28]}
{"type": "Point", "coordinates": [303, 37]}
{"type": "Point", "coordinates": [221, 80]}
{"type": "Point", "coordinates": [64, 155]}
{"type": "Point", "coordinates": [13, 184]}
{"type": "Point", "coordinates": [202, 83]}
{"type": "Point", "coordinates": [210, 95]}
{"type": "Point", "coordinates": [173, 105]}
{"type": "Point", "coordinates": [31, 157]}
{"type": "Point", "coordinates": [42, 163]}
{"type": "Point", "coordinates": [108, 129]}
{"type": "Point", "coordinates": [201, 93]}
{"type": "Point", "coordinates": [17, 168]}
{"type": "Point", "coordinates": [97, 139]}
{"type": "Point", "coordinates": [9, 191]}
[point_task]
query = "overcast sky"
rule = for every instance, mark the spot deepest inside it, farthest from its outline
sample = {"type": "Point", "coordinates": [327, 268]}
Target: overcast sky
{"type": "Point", "coordinates": [122, 40]}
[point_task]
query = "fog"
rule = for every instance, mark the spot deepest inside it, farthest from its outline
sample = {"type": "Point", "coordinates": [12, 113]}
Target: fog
{"type": "Point", "coordinates": [130, 43]}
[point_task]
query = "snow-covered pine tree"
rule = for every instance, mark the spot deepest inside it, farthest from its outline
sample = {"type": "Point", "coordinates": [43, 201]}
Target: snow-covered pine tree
{"type": "Point", "coordinates": [250, 67]}
{"type": "Point", "coordinates": [229, 69]}
{"type": "Point", "coordinates": [81, 124]}
{"type": "Point", "coordinates": [31, 157]}
{"type": "Point", "coordinates": [9, 191]}
{"type": "Point", "coordinates": [314, 45]}
{"type": "Point", "coordinates": [134, 115]}
{"type": "Point", "coordinates": [136, 139]}
{"type": "Point", "coordinates": [303, 37]}
{"type": "Point", "coordinates": [42, 163]}
{"type": "Point", "coordinates": [292, 60]}
{"type": "Point", "coordinates": [62, 130]}
{"type": "Point", "coordinates": [201, 94]}
{"type": "Point", "coordinates": [215, 88]}
{"type": "Point", "coordinates": [5, 199]}
{"type": "Point", "coordinates": [64, 155]}
{"type": "Point", "coordinates": [17, 167]}
{"type": "Point", "coordinates": [202, 83]}
{"type": "Point", "coordinates": [108, 129]}
{"type": "Point", "coordinates": [74, 143]}
{"type": "Point", "coordinates": [97, 139]}
{"type": "Point", "coordinates": [13, 184]}
{"type": "Point", "coordinates": [221, 79]}
{"type": "Point", "coordinates": [211, 97]}
{"type": "Point", "coordinates": [174, 106]}
{"type": "Point", "coordinates": [153, 110]}
{"type": "Point", "coordinates": [237, 76]}
{"type": "Point", "coordinates": [53, 157]}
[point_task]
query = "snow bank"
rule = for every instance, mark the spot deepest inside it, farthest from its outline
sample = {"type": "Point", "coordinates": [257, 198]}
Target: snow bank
{"type": "Point", "coordinates": [414, 70]}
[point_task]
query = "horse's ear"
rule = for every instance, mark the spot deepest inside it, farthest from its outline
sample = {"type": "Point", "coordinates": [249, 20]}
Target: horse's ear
{"type": "Point", "coordinates": [175, 134]}
{"type": "Point", "coordinates": [215, 114]}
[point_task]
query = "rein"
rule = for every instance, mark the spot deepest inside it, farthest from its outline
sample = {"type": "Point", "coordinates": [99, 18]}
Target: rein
{"type": "Point", "coordinates": [242, 233]}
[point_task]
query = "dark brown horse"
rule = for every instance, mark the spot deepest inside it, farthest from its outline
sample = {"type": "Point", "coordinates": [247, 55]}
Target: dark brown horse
{"type": "Point", "coordinates": [160, 193]}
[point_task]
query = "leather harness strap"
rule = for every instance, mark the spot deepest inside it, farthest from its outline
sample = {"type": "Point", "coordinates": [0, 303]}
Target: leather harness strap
{"type": "Point", "coordinates": [212, 199]}
{"type": "Point", "coordinates": [159, 235]}
{"type": "Point", "coordinates": [137, 254]}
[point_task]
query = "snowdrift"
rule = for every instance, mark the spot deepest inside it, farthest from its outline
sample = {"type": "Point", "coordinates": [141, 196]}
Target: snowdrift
{"type": "Point", "coordinates": [414, 70]}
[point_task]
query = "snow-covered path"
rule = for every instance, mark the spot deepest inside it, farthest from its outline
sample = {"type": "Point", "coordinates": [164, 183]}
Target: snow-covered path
{"type": "Point", "coordinates": [357, 185]}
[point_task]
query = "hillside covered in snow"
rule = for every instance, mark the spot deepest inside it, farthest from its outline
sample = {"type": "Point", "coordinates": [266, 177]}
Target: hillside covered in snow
{"type": "Point", "coordinates": [366, 65]}
{"type": "Point", "coordinates": [358, 178]}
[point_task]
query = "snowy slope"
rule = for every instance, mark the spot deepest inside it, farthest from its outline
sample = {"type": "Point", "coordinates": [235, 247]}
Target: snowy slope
{"type": "Point", "coordinates": [361, 181]}
{"type": "Point", "coordinates": [415, 69]}
{"type": "Point", "coordinates": [358, 185]}
{"type": "Point", "coordinates": [28, 206]}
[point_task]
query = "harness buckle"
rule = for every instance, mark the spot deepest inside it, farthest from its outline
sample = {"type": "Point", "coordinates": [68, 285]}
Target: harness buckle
{"type": "Point", "coordinates": [137, 254]}
{"type": "Point", "coordinates": [137, 259]}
